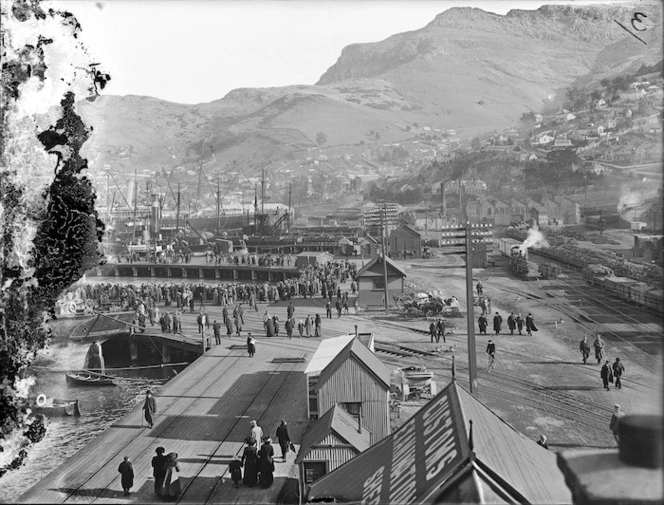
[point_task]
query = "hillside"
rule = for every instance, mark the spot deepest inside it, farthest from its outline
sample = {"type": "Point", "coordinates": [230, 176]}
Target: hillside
{"type": "Point", "coordinates": [467, 70]}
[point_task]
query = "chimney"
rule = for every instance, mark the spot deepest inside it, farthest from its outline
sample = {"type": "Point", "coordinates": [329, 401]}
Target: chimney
{"type": "Point", "coordinates": [356, 334]}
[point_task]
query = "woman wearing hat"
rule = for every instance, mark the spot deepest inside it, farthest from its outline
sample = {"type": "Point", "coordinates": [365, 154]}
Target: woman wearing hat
{"type": "Point", "coordinates": [266, 463]}
{"type": "Point", "coordinates": [158, 469]}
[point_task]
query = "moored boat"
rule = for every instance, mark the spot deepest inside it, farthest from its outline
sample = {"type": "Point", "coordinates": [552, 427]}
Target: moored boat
{"type": "Point", "coordinates": [53, 407]}
{"type": "Point", "coordinates": [88, 378]}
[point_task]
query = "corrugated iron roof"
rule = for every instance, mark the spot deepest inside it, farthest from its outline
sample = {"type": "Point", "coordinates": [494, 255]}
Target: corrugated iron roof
{"type": "Point", "coordinates": [363, 354]}
{"type": "Point", "coordinates": [336, 420]}
{"type": "Point", "coordinates": [428, 459]}
{"type": "Point", "coordinates": [368, 268]}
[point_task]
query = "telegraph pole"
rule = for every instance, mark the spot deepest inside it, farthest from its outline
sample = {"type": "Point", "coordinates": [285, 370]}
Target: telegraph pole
{"type": "Point", "coordinates": [290, 189]}
{"type": "Point", "coordinates": [133, 237]}
{"type": "Point", "coordinates": [218, 209]}
{"type": "Point", "coordinates": [177, 212]}
{"type": "Point", "coordinates": [263, 192]}
{"type": "Point", "coordinates": [472, 357]}
{"type": "Point", "coordinates": [383, 237]}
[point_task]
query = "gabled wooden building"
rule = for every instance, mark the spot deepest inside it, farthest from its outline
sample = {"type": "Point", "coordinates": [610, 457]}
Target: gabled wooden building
{"type": "Point", "coordinates": [354, 378]}
{"type": "Point", "coordinates": [371, 283]}
{"type": "Point", "coordinates": [405, 242]}
{"type": "Point", "coordinates": [331, 441]}
{"type": "Point", "coordinates": [437, 456]}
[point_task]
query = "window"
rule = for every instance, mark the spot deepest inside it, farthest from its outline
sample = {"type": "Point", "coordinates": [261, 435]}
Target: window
{"type": "Point", "coordinates": [378, 283]}
{"type": "Point", "coordinates": [314, 470]}
{"type": "Point", "coordinates": [353, 408]}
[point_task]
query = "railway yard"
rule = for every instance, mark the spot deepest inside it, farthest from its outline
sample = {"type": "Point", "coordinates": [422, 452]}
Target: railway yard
{"type": "Point", "coordinates": [540, 385]}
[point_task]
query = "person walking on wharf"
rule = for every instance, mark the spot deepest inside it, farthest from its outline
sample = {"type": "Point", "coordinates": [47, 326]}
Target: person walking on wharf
{"type": "Point", "coordinates": [284, 439]}
{"type": "Point", "coordinates": [251, 345]}
{"type": "Point", "coordinates": [618, 371]}
{"type": "Point", "coordinates": [158, 469]}
{"type": "Point", "coordinates": [497, 323]}
{"type": "Point", "coordinates": [491, 352]}
{"type": "Point", "coordinates": [530, 324]}
{"type": "Point", "coordinates": [598, 344]}
{"type": "Point", "coordinates": [126, 471]}
{"type": "Point", "coordinates": [584, 347]}
{"type": "Point", "coordinates": [519, 323]}
{"type": "Point", "coordinates": [511, 323]}
{"type": "Point", "coordinates": [150, 408]}
{"type": "Point", "coordinates": [216, 328]}
{"type": "Point", "coordinates": [606, 375]}
{"type": "Point", "coordinates": [482, 323]}
{"type": "Point", "coordinates": [615, 418]}
{"type": "Point", "coordinates": [440, 327]}
{"type": "Point", "coordinates": [256, 432]}
{"type": "Point", "coordinates": [235, 469]}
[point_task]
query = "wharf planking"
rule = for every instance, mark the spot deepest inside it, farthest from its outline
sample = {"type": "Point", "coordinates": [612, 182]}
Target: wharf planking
{"type": "Point", "coordinates": [203, 414]}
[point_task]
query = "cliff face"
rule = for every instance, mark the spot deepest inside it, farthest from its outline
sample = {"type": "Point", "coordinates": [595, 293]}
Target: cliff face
{"type": "Point", "coordinates": [469, 34]}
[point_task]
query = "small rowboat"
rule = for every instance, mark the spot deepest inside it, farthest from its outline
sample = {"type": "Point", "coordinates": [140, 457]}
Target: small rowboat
{"type": "Point", "coordinates": [86, 378]}
{"type": "Point", "coordinates": [52, 407]}
{"type": "Point", "coordinates": [416, 377]}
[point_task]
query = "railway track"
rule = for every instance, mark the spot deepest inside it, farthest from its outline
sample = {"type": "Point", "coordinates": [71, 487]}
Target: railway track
{"type": "Point", "coordinates": [595, 310]}
{"type": "Point", "coordinates": [558, 400]}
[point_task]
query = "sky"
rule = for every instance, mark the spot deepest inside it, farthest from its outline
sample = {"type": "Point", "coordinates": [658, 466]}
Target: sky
{"type": "Point", "coordinates": [195, 51]}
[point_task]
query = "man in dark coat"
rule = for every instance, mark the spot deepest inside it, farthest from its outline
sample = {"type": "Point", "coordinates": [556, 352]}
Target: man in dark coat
{"type": "Point", "coordinates": [440, 327]}
{"type": "Point", "coordinates": [433, 331]}
{"type": "Point", "coordinates": [519, 323]}
{"type": "Point", "coordinates": [289, 327]}
{"type": "Point", "coordinates": [511, 323]}
{"type": "Point", "coordinates": [290, 310]}
{"type": "Point", "coordinates": [482, 323]}
{"type": "Point", "coordinates": [606, 375]}
{"type": "Point", "coordinates": [158, 469]}
{"type": "Point", "coordinates": [150, 408]}
{"type": "Point", "coordinates": [584, 347]}
{"type": "Point", "coordinates": [284, 439]}
{"type": "Point", "coordinates": [126, 471]}
{"type": "Point", "coordinates": [497, 323]}
{"type": "Point", "coordinates": [491, 352]}
{"type": "Point", "coordinates": [530, 324]}
{"type": "Point", "coordinates": [618, 371]}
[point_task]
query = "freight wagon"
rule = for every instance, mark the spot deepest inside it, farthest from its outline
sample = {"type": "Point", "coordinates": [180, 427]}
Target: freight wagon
{"type": "Point", "coordinates": [509, 247]}
{"type": "Point", "coordinates": [625, 288]}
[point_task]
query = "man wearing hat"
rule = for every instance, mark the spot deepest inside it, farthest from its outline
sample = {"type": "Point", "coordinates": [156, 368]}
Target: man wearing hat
{"type": "Point", "coordinates": [491, 351]}
{"type": "Point", "coordinates": [150, 408]}
{"type": "Point", "coordinates": [159, 469]}
{"type": "Point", "coordinates": [606, 374]}
{"type": "Point", "coordinates": [615, 418]}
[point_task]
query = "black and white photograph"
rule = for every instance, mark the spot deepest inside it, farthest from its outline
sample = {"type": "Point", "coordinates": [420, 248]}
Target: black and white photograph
{"type": "Point", "coordinates": [305, 251]}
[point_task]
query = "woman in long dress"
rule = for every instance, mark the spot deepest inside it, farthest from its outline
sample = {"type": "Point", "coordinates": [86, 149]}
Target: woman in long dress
{"type": "Point", "coordinates": [172, 487]}
{"type": "Point", "coordinates": [266, 463]}
{"type": "Point", "coordinates": [250, 463]}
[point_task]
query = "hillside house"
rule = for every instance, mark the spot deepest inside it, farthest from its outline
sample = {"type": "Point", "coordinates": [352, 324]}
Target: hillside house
{"type": "Point", "coordinates": [562, 210]}
{"type": "Point", "coordinates": [354, 378]}
{"type": "Point", "coordinates": [544, 139]}
{"type": "Point", "coordinates": [570, 117]}
{"type": "Point", "coordinates": [539, 215]}
{"type": "Point", "coordinates": [405, 242]}
{"type": "Point", "coordinates": [333, 439]}
{"type": "Point", "coordinates": [539, 118]}
{"type": "Point", "coordinates": [371, 283]}
{"type": "Point", "coordinates": [600, 104]}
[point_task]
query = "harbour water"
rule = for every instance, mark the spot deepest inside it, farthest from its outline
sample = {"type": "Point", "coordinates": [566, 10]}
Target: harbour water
{"type": "Point", "coordinates": [100, 406]}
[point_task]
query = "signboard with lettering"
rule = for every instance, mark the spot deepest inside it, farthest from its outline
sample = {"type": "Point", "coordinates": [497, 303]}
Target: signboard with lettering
{"type": "Point", "coordinates": [409, 464]}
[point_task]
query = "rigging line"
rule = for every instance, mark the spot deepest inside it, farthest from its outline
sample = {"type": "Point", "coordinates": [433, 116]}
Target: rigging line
{"type": "Point", "coordinates": [63, 370]}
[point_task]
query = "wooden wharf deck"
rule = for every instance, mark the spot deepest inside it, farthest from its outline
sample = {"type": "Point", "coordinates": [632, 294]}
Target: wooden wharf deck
{"type": "Point", "coordinates": [203, 414]}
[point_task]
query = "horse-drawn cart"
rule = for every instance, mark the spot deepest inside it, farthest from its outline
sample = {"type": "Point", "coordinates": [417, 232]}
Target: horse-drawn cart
{"type": "Point", "coordinates": [427, 303]}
